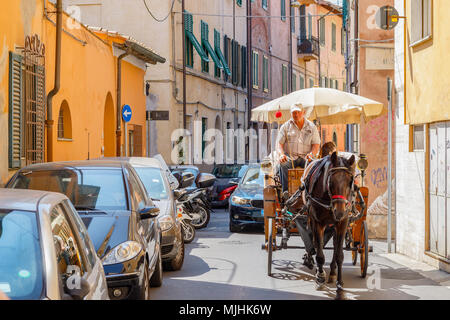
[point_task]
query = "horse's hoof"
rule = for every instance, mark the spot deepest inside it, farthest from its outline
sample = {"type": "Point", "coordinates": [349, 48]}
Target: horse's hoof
{"type": "Point", "coordinates": [340, 295]}
{"type": "Point", "coordinates": [332, 278]}
{"type": "Point", "coordinates": [320, 279]}
{"type": "Point", "coordinates": [339, 287]}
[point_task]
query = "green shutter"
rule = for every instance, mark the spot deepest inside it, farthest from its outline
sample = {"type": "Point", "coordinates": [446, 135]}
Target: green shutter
{"type": "Point", "coordinates": [239, 3]}
{"type": "Point", "coordinates": [302, 82]}
{"type": "Point", "coordinates": [294, 82]}
{"type": "Point", "coordinates": [15, 110]}
{"type": "Point", "coordinates": [322, 32]}
{"type": "Point", "coordinates": [189, 27]}
{"type": "Point", "coordinates": [264, 4]}
{"type": "Point", "coordinates": [283, 10]}
{"type": "Point", "coordinates": [244, 66]}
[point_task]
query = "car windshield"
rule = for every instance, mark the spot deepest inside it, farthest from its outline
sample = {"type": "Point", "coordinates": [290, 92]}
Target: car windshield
{"type": "Point", "coordinates": [93, 189]}
{"type": "Point", "coordinates": [227, 171]}
{"type": "Point", "coordinates": [153, 182]}
{"type": "Point", "coordinates": [20, 255]}
{"type": "Point", "coordinates": [253, 176]}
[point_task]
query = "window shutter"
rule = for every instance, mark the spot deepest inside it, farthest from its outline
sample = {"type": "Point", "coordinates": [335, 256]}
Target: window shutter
{"type": "Point", "coordinates": [15, 110]}
{"type": "Point", "coordinates": [244, 66]}
{"type": "Point", "coordinates": [416, 20]}
{"type": "Point", "coordinates": [302, 82]}
{"type": "Point", "coordinates": [233, 62]}
{"type": "Point", "coordinates": [283, 10]}
{"type": "Point", "coordinates": [333, 37]}
{"type": "Point", "coordinates": [227, 57]}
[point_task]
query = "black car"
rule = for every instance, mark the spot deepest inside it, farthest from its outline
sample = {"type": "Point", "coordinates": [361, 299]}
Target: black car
{"type": "Point", "coordinates": [227, 178]}
{"type": "Point", "coordinates": [241, 211]}
{"type": "Point", "coordinates": [120, 218]}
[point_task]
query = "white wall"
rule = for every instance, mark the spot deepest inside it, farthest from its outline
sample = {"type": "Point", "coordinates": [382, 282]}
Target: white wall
{"type": "Point", "coordinates": [410, 168]}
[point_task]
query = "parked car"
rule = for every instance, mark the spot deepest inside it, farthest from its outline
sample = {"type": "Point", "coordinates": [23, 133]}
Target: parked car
{"type": "Point", "coordinates": [45, 249]}
{"type": "Point", "coordinates": [249, 189]}
{"type": "Point", "coordinates": [156, 183]}
{"type": "Point", "coordinates": [121, 219]}
{"type": "Point", "coordinates": [227, 179]}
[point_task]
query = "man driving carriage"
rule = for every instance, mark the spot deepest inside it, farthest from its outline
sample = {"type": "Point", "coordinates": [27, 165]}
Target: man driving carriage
{"type": "Point", "coordinates": [298, 139]}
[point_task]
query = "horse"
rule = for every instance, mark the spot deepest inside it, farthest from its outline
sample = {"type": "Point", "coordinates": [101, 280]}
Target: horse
{"type": "Point", "coordinates": [328, 197]}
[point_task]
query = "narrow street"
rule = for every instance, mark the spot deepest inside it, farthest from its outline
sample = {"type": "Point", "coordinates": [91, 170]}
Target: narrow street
{"type": "Point", "coordinates": [223, 265]}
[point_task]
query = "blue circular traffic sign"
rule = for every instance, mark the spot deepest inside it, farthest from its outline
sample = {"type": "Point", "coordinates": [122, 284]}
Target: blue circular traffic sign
{"type": "Point", "coordinates": [126, 113]}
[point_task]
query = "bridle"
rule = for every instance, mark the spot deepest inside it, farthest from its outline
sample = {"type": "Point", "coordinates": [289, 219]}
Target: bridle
{"type": "Point", "coordinates": [334, 197]}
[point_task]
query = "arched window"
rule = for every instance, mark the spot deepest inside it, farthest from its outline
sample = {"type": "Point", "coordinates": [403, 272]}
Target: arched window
{"type": "Point", "coordinates": [64, 122]}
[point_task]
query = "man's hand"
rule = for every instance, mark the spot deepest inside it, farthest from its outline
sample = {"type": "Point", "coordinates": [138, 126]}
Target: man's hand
{"type": "Point", "coordinates": [310, 157]}
{"type": "Point", "coordinates": [283, 158]}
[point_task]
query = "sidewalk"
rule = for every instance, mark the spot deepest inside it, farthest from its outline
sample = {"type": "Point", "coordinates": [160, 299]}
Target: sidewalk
{"type": "Point", "coordinates": [426, 270]}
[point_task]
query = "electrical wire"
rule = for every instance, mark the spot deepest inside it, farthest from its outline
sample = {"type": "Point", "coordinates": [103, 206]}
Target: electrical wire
{"type": "Point", "coordinates": [159, 20]}
{"type": "Point", "coordinates": [254, 17]}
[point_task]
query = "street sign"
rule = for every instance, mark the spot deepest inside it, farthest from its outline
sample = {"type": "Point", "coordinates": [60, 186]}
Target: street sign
{"type": "Point", "coordinates": [126, 113]}
{"type": "Point", "coordinates": [157, 115]}
{"type": "Point", "coordinates": [387, 18]}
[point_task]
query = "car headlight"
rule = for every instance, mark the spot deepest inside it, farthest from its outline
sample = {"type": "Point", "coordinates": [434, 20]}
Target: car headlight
{"type": "Point", "coordinates": [239, 200]}
{"type": "Point", "coordinates": [166, 222]}
{"type": "Point", "coordinates": [123, 252]}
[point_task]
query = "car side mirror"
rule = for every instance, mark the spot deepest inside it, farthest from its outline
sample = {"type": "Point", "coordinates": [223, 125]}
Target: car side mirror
{"type": "Point", "coordinates": [149, 212]}
{"type": "Point", "coordinates": [80, 291]}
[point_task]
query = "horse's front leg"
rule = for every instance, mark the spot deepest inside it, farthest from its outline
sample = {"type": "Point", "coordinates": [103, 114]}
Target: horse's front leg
{"type": "Point", "coordinates": [320, 257]}
{"type": "Point", "coordinates": [332, 277]}
{"type": "Point", "coordinates": [341, 229]}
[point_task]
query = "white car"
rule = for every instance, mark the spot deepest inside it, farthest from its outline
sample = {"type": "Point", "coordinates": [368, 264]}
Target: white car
{"type": "Point", "coordinates": [45, 250]}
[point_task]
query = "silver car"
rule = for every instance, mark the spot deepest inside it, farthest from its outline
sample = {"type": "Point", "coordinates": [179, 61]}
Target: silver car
{"type": "Point", "coordinates": [45, 250]}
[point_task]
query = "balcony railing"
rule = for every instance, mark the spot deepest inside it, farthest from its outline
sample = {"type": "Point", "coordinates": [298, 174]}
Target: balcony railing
{"type": "Point", "coordinates": [308, 48]}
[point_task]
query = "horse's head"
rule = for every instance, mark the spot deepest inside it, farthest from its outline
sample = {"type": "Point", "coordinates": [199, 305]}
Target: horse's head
{"type": "Point", "coordinates": [340, 185]}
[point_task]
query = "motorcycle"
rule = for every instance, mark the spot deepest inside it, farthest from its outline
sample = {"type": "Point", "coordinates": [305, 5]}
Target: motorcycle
{"type": "Point", "coordinates": [186, 225]}
{"type": "Point", "coordinates": [194, 206]}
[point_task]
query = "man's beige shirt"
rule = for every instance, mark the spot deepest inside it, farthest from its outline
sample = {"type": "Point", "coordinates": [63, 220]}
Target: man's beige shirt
{"type": "Point", "coordinates": [298, 143]}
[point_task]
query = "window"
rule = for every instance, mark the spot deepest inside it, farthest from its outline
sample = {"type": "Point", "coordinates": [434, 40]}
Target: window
{"type": "Point", "coordinates": [64, 122]}
{"type": "Point", "coordinates": [265, 73]}
{"type": "Point", "coordinates": [322, 32]}
{"type": "Point", "coordinates": [294, 82]}
{"type": "Point", "coordinates": [302, 22]}
{"type": "Point", "coordinates": [26, 107]}
{"type": "Point", "coordinates": [283, 10]}
{"type": "Point", "coordinates": [236, 62]}
{"type": "Point", "coordinates": [343, 41]}
{"type": "Point", "coordinates": [220, 55]}
{"type": "Point", "coordinates": [333, 37]}
{"type": "Point", "coordinates": [204, 128]}
{"type": "Point", "coordinates": [264, 4]}
{"type": "Point", "coordinates": [309, 26]}
{"type": "Point", "coordinates": [292, 17]}
{"type": "Point", "coordinates": [204, 35]}
{"type": "Point", "coordinates": [302, 82]}
{"type": "Point", "coordinates": [192, 42]}
{"type": "Point", "coordinates": [239, 3]}
{"type": "Point", "coordinates": [311, 83]}
{"type": "Point", "coordinates": [136, 192]}
{"type": "Point", "coordinates": [421, 20]}
{"type": "Point", "coordinates": [284, 75]}
{"type": "Point", "coordinates": [417, 135]}
{"type": "Point", "coordinates": [66, 248]}
{"type": "Point", "coordinates": [227, 54]}
{"type": "Point", "coordinates": [244, 66]}
{"type": "Point", "coordinates": [255, 71]}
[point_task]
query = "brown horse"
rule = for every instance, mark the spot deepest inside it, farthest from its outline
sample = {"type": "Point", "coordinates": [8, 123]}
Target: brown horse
{"type": "Point", "coordinates": [329, 200]}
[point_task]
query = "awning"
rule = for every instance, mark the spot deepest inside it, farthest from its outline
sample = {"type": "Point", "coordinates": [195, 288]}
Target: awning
{"type": "Point", "coordinates": [197, 46]}
{"type": "Point", "coordinates": [213, 55]}
{"type": "Point", "coordinates": [222, 58]}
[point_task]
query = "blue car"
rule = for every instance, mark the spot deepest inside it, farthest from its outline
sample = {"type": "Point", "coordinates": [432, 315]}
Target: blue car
{"type": "Point", "coordinates": [241, 211]}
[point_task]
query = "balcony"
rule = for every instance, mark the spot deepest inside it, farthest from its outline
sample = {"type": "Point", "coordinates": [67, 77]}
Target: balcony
{"type": "Point", "coordinates": [308, 49]}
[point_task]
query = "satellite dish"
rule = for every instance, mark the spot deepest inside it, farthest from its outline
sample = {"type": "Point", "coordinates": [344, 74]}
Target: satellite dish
{"type": "Point", "coordinates": [387, 18]}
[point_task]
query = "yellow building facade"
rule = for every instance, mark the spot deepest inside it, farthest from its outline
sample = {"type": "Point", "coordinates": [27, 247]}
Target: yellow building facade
{"type": "Point", "coordinates": [84, 110]}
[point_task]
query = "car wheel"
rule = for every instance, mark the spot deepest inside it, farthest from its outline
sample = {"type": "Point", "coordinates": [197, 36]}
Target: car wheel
{"type": "Point", "coordinates": [234, 228]}
{"type": "Point", "coordinates": [157, 277]}
{"type": "Point", "coordinates": [177, 262]}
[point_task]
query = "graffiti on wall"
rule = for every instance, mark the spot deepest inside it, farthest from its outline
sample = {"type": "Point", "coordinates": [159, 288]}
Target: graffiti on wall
{"type": "Point", "coordinates": [379, 177]}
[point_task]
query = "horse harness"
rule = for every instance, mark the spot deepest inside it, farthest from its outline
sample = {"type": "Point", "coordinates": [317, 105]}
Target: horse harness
{"type": "Point", "coordinates": [311, 180]}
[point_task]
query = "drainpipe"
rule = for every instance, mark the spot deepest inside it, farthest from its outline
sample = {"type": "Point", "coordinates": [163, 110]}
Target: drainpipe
{"type": "Point", "coordinates": [119, 103]}
{"type": "Point", "coordinates": [49, 122]}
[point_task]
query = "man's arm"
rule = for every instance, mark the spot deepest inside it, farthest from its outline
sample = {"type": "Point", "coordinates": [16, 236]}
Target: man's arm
{"type": "Point", "coordinates": [280, 149]}
{"type": "Point", "coordinates": [315, 149]}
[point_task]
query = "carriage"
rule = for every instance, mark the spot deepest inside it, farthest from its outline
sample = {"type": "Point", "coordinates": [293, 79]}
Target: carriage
{"type": "Point", "coordinates": [328, 106]}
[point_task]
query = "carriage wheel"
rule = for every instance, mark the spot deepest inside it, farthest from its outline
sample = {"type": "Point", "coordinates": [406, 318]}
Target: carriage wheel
{"type": "Point", "coordinates": [364, 249]}
{"type": "Point", "coordinates": [270, 247]}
